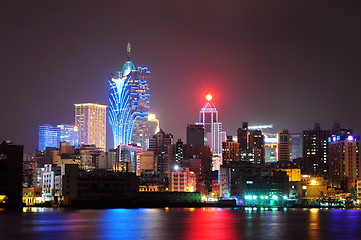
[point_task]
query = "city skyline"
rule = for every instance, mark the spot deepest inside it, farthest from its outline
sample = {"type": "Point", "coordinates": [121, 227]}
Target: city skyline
{"type": "Point", "coordinates": [289, 64]}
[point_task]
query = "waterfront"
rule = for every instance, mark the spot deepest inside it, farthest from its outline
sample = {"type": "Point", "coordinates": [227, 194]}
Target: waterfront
{"type": "Point", "coordinates": [177, 223]}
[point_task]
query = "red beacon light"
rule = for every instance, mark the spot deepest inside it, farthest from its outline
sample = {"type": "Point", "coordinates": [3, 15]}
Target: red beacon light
{"type": "Point", "coordinates": [209, 97]}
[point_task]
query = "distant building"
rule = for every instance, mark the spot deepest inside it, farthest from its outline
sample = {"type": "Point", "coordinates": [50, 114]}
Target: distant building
{"type": "Point", "coordinates": [271, 151]}
{"type": "Point", "coordinates": [111, 158]}
{"type": "Point", "coordinates": [196, 135]}
{"type": "Point", "coordinates": [48, 186]}
{"type": "Point", "coordinates": [196, 166]}
{"type": "Point", "coordinates": [208, 117]}
{"type": "Point", "coordinates": [147, 162]}
{"type": "Point", "coordinates": [179, 153]}
{"type": "Point", "coordinates": [224, 180]}
{"type": "Point", "coordinates": [205, 154]}
{"type": "Point", "coordinates": [295, 145]}
{"type": "Point", "coordinates": [242, 138]}
{"type": "Point", "coordinates": [283, 146]}
{"type": "Point", "coordinates": [122, 167]}
{"type": "Point", "coordinates": [159, 145]}
{"type": "Point", "coordinates": [315, 151]}
{"type": "Point", "coordinates": [11, 170]}
{"type": "Point", "coordinates": [51, 136]}
{"type": "Point", "coordinates": [129, 154]}
{"type": "Point", "coordinates": [256, 144]}
{"type": "Point", "coordinates": [90, 119]}
{"type": "Point", "coordinates": [344, 157]}
{"type": "Point", "coordinates": [230, 152]}
{"type": "Point", "coordinates": [183, 180]}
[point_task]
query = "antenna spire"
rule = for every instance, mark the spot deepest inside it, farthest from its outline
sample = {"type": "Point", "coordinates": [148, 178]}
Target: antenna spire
{"type": "Point", "coordinates": [129, 48]}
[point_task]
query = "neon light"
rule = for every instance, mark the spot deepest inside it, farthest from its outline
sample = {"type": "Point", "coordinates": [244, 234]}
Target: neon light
{"type": "Point", "coordinates": [209, 97]}
{"type": "Point", "coordinates": [260, 127]}
{"type": "Point", "coordinates": [350, 138]}
{"type": "Point", "coordinates": [128, 103]}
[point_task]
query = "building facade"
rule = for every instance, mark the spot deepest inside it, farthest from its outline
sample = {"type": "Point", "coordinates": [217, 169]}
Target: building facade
{"type": "Point", "coordinates": [344, 157]}
{"type": "Point", "coordinates": [51, 136]}
{"type": "Point", "coordinates": [230, 152]}
{"type": "Point", "coordinates": [315, 151]}
{"type": "Point", "coordinates": [159, 145]}
{"type": "Point", "coordinates": [90, 118]}
{"type": "Point", "coordinates": [129, 103]}
{"type": "Point", "coordinates": [283, 146]}
{"type": "Point", "coordinates": [208, 117]}
{"type": "Point", "coordinates": [196, 135]}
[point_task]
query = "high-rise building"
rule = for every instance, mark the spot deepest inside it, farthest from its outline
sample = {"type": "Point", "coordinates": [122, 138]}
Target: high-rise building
{"type": "Point", "coordinates": [344, 159]}
{"type": "Point", "coordinates": [242, 136]}
{"type": "Point", "coordinates": [256, 144]}
{"type": "Point", "coordinates": [195, 135]}
{"type": "Point", "coordinates": [159, 145]}
{"type": "Point", "coordinates": [51, 136]}
{"type": "Point", "coordinates": [270, 152]}
{"type": "Point", "coordinates": [130, 154]}
{"type": "Point", "coordinates": [208, 117]}
{"type": "Point", "coordinates": [90, 118]}
{"type": "Point", "coordinates": [179, 153]}
{"type": "Point", "coordinates": [129, 103]}
{"type": "Point", "coordinates": [315, 151]}
{"type": "Point", "coordinates": [283, 146]}
{"type": "Point", "coordinates": [230, 152]}
{"type": "Point", "coordinates": [196, 166]}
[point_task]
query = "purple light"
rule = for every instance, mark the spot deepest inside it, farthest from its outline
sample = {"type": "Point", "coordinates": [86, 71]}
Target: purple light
{"type": "Point", "coordinates": [334, 139]}
{"type": "Point", "coordinates": [350, 138]}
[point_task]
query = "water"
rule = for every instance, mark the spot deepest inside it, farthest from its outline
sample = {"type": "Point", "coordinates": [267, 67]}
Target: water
{"type": "Point", "coordinates": [203, 223]}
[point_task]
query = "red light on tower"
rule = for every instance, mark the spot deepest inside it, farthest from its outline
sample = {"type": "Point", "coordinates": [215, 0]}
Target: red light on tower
{"type": "Point", "coordinates": [209, 97]}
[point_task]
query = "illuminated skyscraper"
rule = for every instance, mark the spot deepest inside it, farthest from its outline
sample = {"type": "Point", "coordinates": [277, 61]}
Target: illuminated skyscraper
{"type": "Point", "coordinates": [129, 103]}
{"type": "Point", "coordinates": [91, 121]}
{"type": "Point", "coordinates": [50, 136]}
{"type": "Point", "coordinates": [208, 117]}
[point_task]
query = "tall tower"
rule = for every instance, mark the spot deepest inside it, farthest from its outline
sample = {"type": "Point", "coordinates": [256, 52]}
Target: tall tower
{"type": "Point", "coordinates": [208, 117]}
{"type": "Point", "coordinates": [91, 121]}
{"type": "Point", "coordinates": [129, 103]}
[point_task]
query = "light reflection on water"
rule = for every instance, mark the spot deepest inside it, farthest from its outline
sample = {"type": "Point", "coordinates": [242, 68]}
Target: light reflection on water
{"type": "Point", "coordinates": [178, 223]}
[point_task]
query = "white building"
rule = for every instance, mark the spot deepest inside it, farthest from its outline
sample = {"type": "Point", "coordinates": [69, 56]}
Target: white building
{"type": "Point", "coordinates": [208, 117]}
{"type": "Point", "coordinates": [49, 190]}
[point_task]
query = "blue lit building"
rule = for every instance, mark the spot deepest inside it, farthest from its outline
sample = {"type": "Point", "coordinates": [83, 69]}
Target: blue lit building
{"type": "Point", "coordinates": [129, 103]}
{"type": "Point", "coordinates": [50, 136]}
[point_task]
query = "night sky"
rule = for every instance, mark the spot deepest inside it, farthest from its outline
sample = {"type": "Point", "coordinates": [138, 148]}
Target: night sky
{"type": "Point", "coordinates": [289, 63]}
